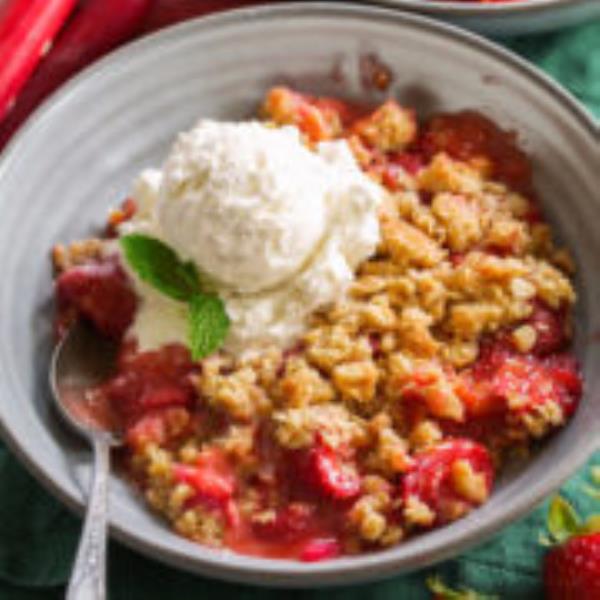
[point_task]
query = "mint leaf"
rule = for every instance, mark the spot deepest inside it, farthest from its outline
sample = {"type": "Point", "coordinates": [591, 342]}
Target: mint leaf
{"type": "Point", "coordinates": [158, 265]}
{"type": "Point", "coordinates": [209, 324]}
{"type": "Point", "coordinates": [563, 521]}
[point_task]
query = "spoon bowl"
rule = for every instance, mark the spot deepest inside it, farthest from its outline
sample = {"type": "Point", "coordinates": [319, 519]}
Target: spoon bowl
{"type": "Point", "coordinates": [82, 360]}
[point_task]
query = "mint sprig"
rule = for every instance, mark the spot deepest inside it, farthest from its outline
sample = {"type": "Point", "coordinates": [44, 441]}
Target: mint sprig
{"type": "Point", "coordinates": [209, 324]}
{"type": "Point", "coordinates": [159, 266]}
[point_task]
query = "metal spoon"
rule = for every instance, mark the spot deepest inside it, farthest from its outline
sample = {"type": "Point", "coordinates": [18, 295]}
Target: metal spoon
{"type": "Point", "coordinates": [81, 360]}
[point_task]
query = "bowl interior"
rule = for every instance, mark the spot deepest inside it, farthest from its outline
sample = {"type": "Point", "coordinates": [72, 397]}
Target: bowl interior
{"type": "Point", "coordinates": [78, 156]}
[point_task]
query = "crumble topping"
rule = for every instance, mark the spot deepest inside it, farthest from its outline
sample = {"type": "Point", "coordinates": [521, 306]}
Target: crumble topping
{"type": "Point", "coordinates": [390, 414]}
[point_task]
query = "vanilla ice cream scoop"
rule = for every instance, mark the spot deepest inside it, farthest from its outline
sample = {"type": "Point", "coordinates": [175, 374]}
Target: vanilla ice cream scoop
{"type": "Point", "coordinates": [245, 202]}
{"type": "Point", "coordinates": [278, 229]}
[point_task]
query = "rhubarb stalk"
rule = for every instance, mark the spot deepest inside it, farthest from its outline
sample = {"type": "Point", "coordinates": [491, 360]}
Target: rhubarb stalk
{"type": "Point", "coordinates": [97, 27]}
{"type": "Point", "coordinates": [27, 28]}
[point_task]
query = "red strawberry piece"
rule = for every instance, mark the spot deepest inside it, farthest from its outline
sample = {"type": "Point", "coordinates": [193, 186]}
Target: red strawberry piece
{"type": "Point", "coordinates": [549, 328]}
{"type": "Point", "coordinates": [289, 523]}
{"type": "Point", "coordinates": [101, 292]}
{"type": "Point", "coordinates": [572, 570]}
{"type": "Point", "coordinates": [504, 380]}
{"type": "Point", "coordinates": [232, 514]}
{"type": "Point", "coordinates": [327, 474]}
{"type": "Point", "coordinates": [169, 363]}
{"type": "Point", "coordinates": [320, 549]}
{"type": "Point", "coordinates": [469, 135]}
{"type": "Point", "coordinates": [164, 396]}
{"type": "Point", "coordinates": [564, 369]}
{"type": "Point", "coordinates": [211, 477]}
{"type": "Point", "coordinates": [393, 168]}
{"type": "Point", "coordinates": [431, 479]}
{"type": "Point", "coordinates": [154, 427]}
{"type": "Point", "coordinates": [412, 163]}
{"type": "Point", "coordinates": [147, 381]}
{"type": "Point", "coordinates": [207, 483]}
{"type": "Point", "coordinates": [523, 378]}
{"type": "Point", "coordinates": [533, 382]}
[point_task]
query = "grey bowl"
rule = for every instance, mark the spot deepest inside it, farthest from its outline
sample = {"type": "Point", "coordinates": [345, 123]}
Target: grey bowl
{"type": "Point", "coordinates": [504, 18]}
{"type": "Point", "coordinates": [78, 155]}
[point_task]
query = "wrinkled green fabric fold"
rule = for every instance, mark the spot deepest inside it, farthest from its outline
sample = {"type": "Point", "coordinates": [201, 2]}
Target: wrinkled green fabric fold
{"type": "Point", "coordinates": [571, 56]}
{"type": "Point", "coordinates": [38, 536]}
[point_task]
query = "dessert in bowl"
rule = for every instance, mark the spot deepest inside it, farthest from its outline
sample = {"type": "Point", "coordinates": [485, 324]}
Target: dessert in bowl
{"type": "Point", "coordinates": [335, 326]}
{"type": "Point", "coordinates": [136, 133]}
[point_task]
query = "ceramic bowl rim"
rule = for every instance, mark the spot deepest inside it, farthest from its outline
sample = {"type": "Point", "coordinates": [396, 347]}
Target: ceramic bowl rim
{"type": "Point", "coordinates": [462, 9]}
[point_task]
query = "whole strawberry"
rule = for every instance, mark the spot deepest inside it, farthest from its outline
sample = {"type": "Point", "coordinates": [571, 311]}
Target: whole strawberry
{"type": "Point", "coordinates": [572, 568]}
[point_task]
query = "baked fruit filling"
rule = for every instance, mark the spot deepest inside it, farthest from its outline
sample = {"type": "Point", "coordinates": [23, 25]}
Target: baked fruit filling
{"type": "Point", "coordinates": [396, 407]}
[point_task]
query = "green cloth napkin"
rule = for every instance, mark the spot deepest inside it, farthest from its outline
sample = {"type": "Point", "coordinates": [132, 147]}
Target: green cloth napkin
{"type": "Point", "coordinates": [38, 536]}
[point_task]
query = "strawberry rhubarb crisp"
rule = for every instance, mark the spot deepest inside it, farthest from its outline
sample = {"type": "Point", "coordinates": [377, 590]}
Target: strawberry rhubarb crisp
{"type": "Point", "coordinates": [336, 325]}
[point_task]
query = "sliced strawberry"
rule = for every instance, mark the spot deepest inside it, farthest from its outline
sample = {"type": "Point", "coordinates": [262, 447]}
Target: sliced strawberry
{"type": "Point", "coordinates": [102, 293]}
{"type": "Point", "coordinates": [327, 474]}
{"type": "Point", "coordinates": [320, 549]}
{"type": "Point", "coordinates": [503, 380]}
{"type": "Point", "coordinates": [212, 477]}
{"type": "Point", "coordinates": [155, 427]}
{"type": "Point", "coordinates": [572, 566]}
{"type": "Point", "coordinates": [164, 396]}
{"type": "Point", "coordinates": [522, 383]}
{"type": "Point", "coordinates": [391, 168]}
{"type": "Point", "coordinates": [470, 135]}
{"type": "Point", "coordinates": [411, 162]}
{"type": "Point", "coordinates": [289, 523]}
{"type": "Point", "coordinates": [526, 383]}
{"type": "Point", "coordinates": [550, 330]}
{"type": "Point", "coordinates": [565, 373]}
{"type": "Point", "coordinates": [432, 479]}
{"type": "Point", "coordinates": [147, 381]}
{"type": "Point", "coordinates": [572, 571]}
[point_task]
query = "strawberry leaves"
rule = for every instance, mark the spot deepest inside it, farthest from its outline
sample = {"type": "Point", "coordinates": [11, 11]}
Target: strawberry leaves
{"type": "Point", "coordinates": [158, 265]}
{"type": "Point", "coordinates": [564, 522]}
{"type": "Point", "coordinates": [441, 591]}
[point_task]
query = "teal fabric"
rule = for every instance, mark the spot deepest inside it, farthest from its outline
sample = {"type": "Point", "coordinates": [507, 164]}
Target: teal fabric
{"type": "Point", "coordinates": [38, 536]}
{"type": "Point", "coordinates": [571, 56]}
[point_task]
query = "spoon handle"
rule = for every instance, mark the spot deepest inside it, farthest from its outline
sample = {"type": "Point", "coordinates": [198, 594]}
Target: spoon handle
{"type": "Point", "coordinates": [88, 578]}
